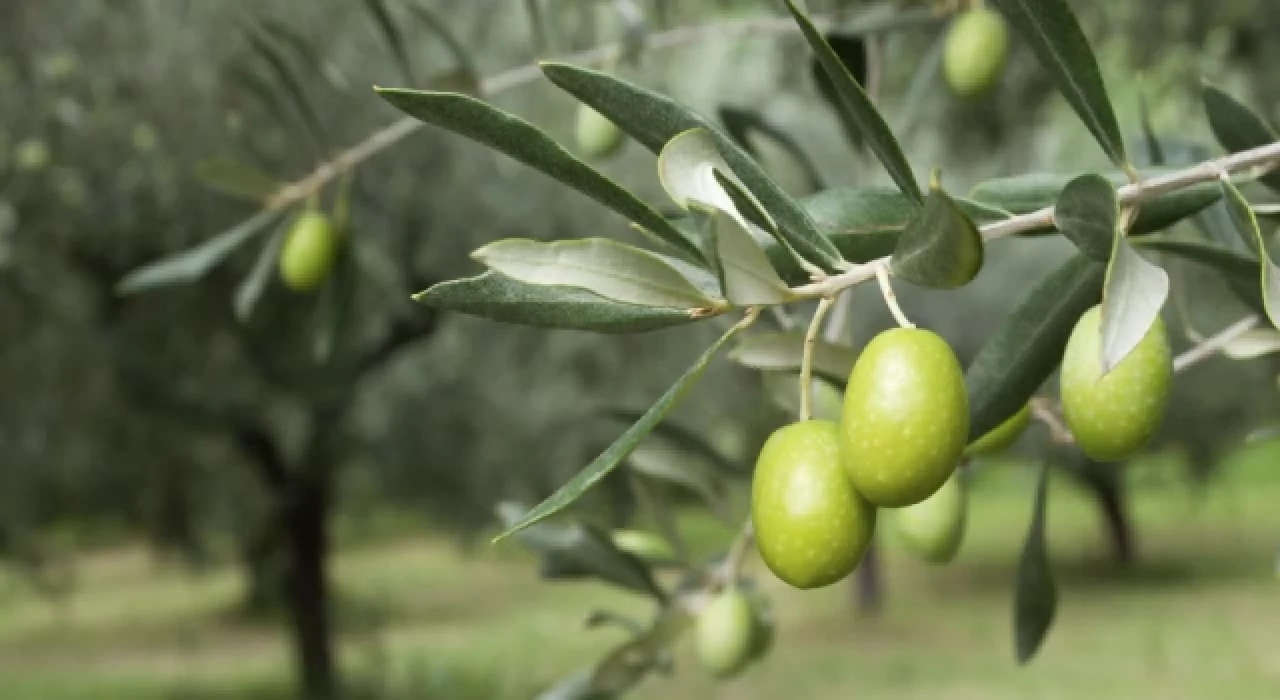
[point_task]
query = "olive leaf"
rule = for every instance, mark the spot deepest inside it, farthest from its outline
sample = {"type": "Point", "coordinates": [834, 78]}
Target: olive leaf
{"type": "Point", "coordinates": [1155, 150]}
{"type": "Point", "coordinates": [772, 146]}
{"type": "Point", "coordinates": [1035, 597]}
{"type": "Point", "coordinates": [336, 299]}
{"type": "Point", "coordinates": [391, 34]}
{"type": "Point", "coordinates": [664, 460]}
{"type": "Point", "coordinates": [1054, 34]}
{"type": "Point", "coordinates": [1253, 344]}
{"type": "Point", "coordinates": [500, 298]}
{"type": "Point", "coordinates": [941, 247]}
{"type": "Point", "coordinates": [193, 263]}
{"type": "Point", "coordinates": [608, 460]}
{"type": "Point", "coordinates": [747, 277]}
{"type": "Point", "coordinates": [1238, 128]}
{"type": "Point", "coordinates": [1133, 294]}
{"type": "Point", "coordinates": [685, 439]}
{"type": "Point", "coordinates": [687, 167]}
{"type": "Point", "coordinates": [1085, 212]}
{"type": "Point", "coordinates": [528, 144]}
{"type": "Point", "coordinates": [255, 283]}
{"type": "Point", "coordinates": [1239, 270]}
{"type": "Point", "coordinates": [612, 270]}
{"type": "Point", "coordinates": [626, 665]}
{"type": "Point", "coordinates": [784, 351]}
{"type": "Point", "coordinates": [1246, 225]}
{"type": "Point", "coordinates": [236, 179]}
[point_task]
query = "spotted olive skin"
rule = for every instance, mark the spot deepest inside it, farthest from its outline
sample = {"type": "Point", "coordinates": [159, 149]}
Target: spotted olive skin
{"type": "Point", "coordinates": [976, 49]}
{"type": "Point", "coordinates": [1001, 436]}
{"type": "Point", "coordinates": [906, 417]}
{"type": "Point", "coordinates": [1114, 416]}
{"type": "Point", "coordinates": [598, 137]}
{"type": "Point", "coordinates": [934, 528]}
{"type": "Point", "coordinates": [811, 526]}
{"type": "Point", "coordinates": [309, 251]}
{"type": "Point", "coordinates": [725, 634]}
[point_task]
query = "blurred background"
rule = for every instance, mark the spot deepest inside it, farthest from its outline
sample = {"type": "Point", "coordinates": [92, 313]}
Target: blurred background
{"type": "Point", "coordinates": [192, 507]}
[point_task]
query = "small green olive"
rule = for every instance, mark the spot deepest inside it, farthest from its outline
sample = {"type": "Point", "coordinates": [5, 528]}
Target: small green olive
{"type": "Point", "coordinates": [977, 45]}
{"type": "Point", "coordinates": [644, 545]}
{"type": "Point", "coordinates": [934, 528]}
{"type": "Point", "coordinates": [811, 526]}
{"type": "Point", "coordinates": [309, 251]}
{"type": "Point", "coordinates": [1001, 436]}
{"type": "Point", "coordinates": [725, 634]}
{"type": "Point", "coordinates": [1114, 416]}
{"type": "Point", "coordinates": [906, 417]}
{"type": "Point", "coordinates": [598, 138]}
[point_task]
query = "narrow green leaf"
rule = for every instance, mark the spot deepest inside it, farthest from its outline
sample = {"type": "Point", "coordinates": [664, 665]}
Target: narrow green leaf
{"type": "Point", "coordinates": [1246, 225]}
{"type": "Point", "coordinates": [784, 351]}
{"type": "Point", "coordinates": [687, 167]}
{"type": "Point", "coordinates": [629, 663]}
{"type": "Point", "coordinates": [236, 179]}
{"type": "Point", "coordinates": [666, 461]}
{"type": "Point", "coordinates": [1051, 29]}
{"type": "Point", "coordinates": [333, 309]}
{"type": "Point", "coordinates": [255, 283]}
{"type": "Point", "coordinates": [1238, 128]}
{"type": "Point", "coordinates": [528, 144]}
{"type": "Point", "coordinates": [1024, 351]}
{"type": "Point", "coordinates": [537, 25]}
{"type": "Point", "coordinates": [941, 247]}
{"type": "Point", "coordinates": [857, 105]}
{"type": "Point", "coordinates": [501, 298]}
{"type": "Point", "coordinates": [748, 279]}
{"type": "Point", "coordinates": [293, 85]}
{"type": "Point", "coordinates": [192, 264]}
{"type": "Point", "coordinates": [752, 131]}
{"type": "Point", "coordinates": [851, 49]}
{"type": "Point", "coordinates": [1086, 213]}
{"type": "Point", "coordinates": [1155, 151]}
{"type": "Point", "coordinates": [1133, 294]}
{"type": "Point", "coordinates": [607, 268]}
{"type": "Point", "coordinates": [601, 466]}
{"type": "Point", "coordinates": [653, 120]}
{"type": "Point", "coordinates": [391, 34]}
{"type": "Point", "coordinates": [686, 439]}
{"type": "Point", "coordinates": [1239, 270]}
{"type": "Point", "coordinates": [1035, 597]}
{"type": "Point", "coordinates": [1253, 344]}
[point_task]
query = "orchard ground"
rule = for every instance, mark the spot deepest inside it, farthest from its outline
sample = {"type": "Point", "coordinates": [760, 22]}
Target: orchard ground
{"type": "Point", "coordinates": [1196, 618]}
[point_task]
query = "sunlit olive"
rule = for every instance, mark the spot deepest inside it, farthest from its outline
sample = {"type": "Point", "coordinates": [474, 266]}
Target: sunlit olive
{"type": "Point", "coordinates": [906, 417]}
{"type": "Point", "coordinates": [811, 526]}
{"type": "Point", "coordinates": [934, 528]}
{"type": "Point", "coordinates": [598, 137]}
{"type": "Point", "coordinates": [309, 251]}
{"type": "Point", "coordinates": [977, 45]}
{"type": "Point", "coordinates": [1001, 436]}
{"type": "Point", "coordinates": [725, 633]}
{"type": "Point", "coordinates": [1116, 415]}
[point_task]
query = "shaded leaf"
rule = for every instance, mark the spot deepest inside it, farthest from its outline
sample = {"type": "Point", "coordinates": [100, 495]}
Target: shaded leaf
{"type": "Point", "coordinates": [851, 49]}
{"type": "Point", "coordinates": [336, 299]}
{"type": "Point", "coordinates": [1238, 128]}
{"type": "Point", "coordinates": [236, 179]}
{"type": "Point", "coordinates": [685, 439]}
{"type": "Point", "coordinates": [745, 124]}
{"type": "Point", "coordinates": [1028, 346]}
{"type": "Point", "coordinates": [255, 283]}
{"type": "Point", "coordinates": [1155, 151]}
{"type": "Point", "coordinates": [783, 388]}
{"type": "Point", "coordinates": [1035, 597]}
{"type": "Point", "coordinates": [859, 109]}
{"type": "Point", "coordinates": [653, 120]}
{"type": "Point", "coordinates": [306, 52]}
{"type": "Point", "coordinates": [1053, 33]}
{"type": "Point", "coordinates": [436, 25]}
{"type": "Point", "coordinates": [748, 278]}
{"type": "Point", "coordinates": [687, 167]}
{"type": "Point", "coordinates": [1132, 296]}
{"type": "Point", "coordinates": [263, 44]}
{"type": "Point", "coordinates": [192, 264]}
{"type": "Point", "coordinates": [391, 34]}
{"type": "Point", "coordinates": [666, 461]}
{"type": "Point", "coordinates": [784, 351]}
{"type": "Point", "coordinates": [612, 270]}
{"type": "Point", "coordinates": [1086, 213]}
{"type": "Point", "coordinates": [628, 664]}
{"type": "Point", "coordinates": [1240, 271]}
{"type": "Point", "coordinates": [528, 144]}
{"type": "Point", "coordinates": [1246, 225]}
{"type": "Point", "coordinates": [608, 460]}
{"type": "Point", "coordinates": [1253, 344]}
{"type": "Point", "coordinates": [941, 247]}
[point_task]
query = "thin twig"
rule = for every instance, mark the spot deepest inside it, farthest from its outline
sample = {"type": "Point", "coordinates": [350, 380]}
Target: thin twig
{"type": "Point", "coordinates": [1043, 409]}
{"type": "Point", "coordinates": [806, 361]}
{"type": "Point", "coordinates": [891, 298]}
{"type": "Point", "coordinates": [1214, 343]}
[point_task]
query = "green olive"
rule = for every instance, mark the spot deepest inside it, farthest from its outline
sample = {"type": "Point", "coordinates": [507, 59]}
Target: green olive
{"type": "Point", "coordinates": [1001, 436]}
{"type": "Point", "coordinates": [934, 528]}
{"type": "Point", "coordinates": [1114, 416]}
{"type": "Point", "coordinates": [811, 526]}
{"type": "Point", "coordinates": [308, 253]}
{"type": "Point", "coordinates": [906, 417]}
{"type": "Point", "coordinates": [977, 45]}
{"type": "Point", "coordinates": [598, 137]}
{"type": "Point", "coordinates": [725, 631]}
{"type": "Point", "coordinates": [644, 545]}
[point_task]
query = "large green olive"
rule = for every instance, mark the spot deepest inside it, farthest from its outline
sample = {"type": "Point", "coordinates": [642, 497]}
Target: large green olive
{"type": "Point", "coordinates": [725, 633]}
{"type": "Point", "coordinates": [309, 252]}
{"type": "Point", "coordinates": [934, 528]}
{"type": "Point", "coordinates": [977, 46]}
{"type": "Point", "coordinates": [906, 417]}
{"type": "Point", "coordinates": [1001, 436]}
{"type": "Point", "coordinates": [597, 136]}
{"type": "Point", "coordinates": [1114, 416]}
{"type": "Point", "coordinates": [811, 526]}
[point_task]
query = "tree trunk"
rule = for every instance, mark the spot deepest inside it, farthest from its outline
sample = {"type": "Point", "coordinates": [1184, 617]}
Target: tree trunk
{"type": "Point", "coordinates": [308, 586]}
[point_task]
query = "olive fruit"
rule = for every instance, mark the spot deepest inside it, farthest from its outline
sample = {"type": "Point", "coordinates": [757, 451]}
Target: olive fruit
{"type": "Point", "coordinates": [597, 136]}
{"type": "Point", "coordinates": [308, 253]}
{"type": "Point", "coordinates": [906, 417]}
{"type": "Point", "coordinates": [811, 526]}
{"type": "Point", "coordinates": [644, 545]}
{"type": "Point", "coordinates": [1001, 436]}
{"type": "Point", "coordinates": [933, 528]}
{"type": "Point", "coordinates": [1114, 416]}
{"type": "Point", "coordinates": [725, 632]}
{"type": "Point", "coordinates": [977, 45]}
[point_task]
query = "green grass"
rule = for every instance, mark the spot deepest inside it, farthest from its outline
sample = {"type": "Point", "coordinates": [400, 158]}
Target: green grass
{"type": "Point", "coordinates": [1196, 618]}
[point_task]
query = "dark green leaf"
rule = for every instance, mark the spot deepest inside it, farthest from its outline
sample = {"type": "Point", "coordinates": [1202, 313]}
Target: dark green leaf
{"type": "Point", "coordinates": [852, 51]}
{"type": "Point", "coordinates": [333, 309]}
{"type": "Point", "coordinates": [1155, 151]}
{"type": "Point", "coordinates": [1086, 212]}
{"type": "Point", "coordinates": [784, 351]}
{"type": "Point", "coordinates": [628, 664]}
{"type": "Point", "coordinates": [1035, 598]}
{"type": "Point", "coordinates": [941, 247]}
{"type": "Point", "coordinates": [601, 466]}
{"type": "Point", "coordinates": [1024, 351]}
{"type": "Point", "coordinates": [653, 120]}
{"type": "Point", "coordinates": [857, 105]}
{"type": "Point", "coordinates": [255, 283]}
{"type": "Point", "coordinates": [500, 298]}
{"type": "Point", "coordinates": [192, 264]}
{"type": "Point", "coordinates": [528, 144]}
{"type": "Point", "coordinates": [1238, 128]}
{"type": "Point", "coordinates": [745, 124]}
{"type": "Point", "coordinates": [1055, 36]}
{"type": "Point", "coordinates": [1246, 225]}
{"type": "Point", "coordinates": [236, 179]}
{"type": "Point", "coordinates": [390, 31]}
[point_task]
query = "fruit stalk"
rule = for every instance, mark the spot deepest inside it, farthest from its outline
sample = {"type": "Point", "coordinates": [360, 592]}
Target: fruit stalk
{"type": "Point", "coordinates": [890, 298]}
{"type": "Point", "coordinates": [806, 362]}
{"type": "Point", "coordinates": [1215, 343]}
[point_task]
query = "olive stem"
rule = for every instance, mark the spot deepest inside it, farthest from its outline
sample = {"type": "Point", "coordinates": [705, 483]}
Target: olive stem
{"type": "Point", "coordinates": [806, 361]}
{"type": "Point", "coordinates": [890, 298]}
{"type": "Point", "coordinates": [1214, 343]}
{"type": "Point", "coordinates": [1042, 409]}
{"type": "Point", "coordinates": [737, 554]}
